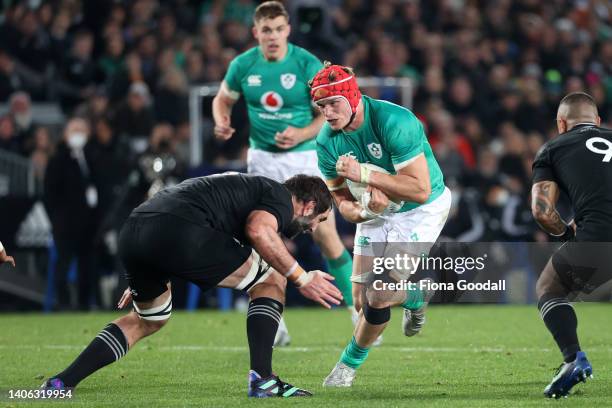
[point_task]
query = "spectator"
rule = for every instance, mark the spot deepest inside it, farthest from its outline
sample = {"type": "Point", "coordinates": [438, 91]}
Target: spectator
{"type": "Point", "coordinates": [95, 107]}
{"type": "Point", "coordinates": [79, 71]}
{"type": "Point", "coordinates": [10, 80]}
{"type": "Point", "coordinates": [171, 104]}
{"type": "Point", "coordinates": [20, 111]}
{"type": "Point", "coordinates": [32, 45]}
{"type": "Point", "coordinates": [42, 150]}
{"type": "Point", "coordinates": [8, 136]}
{"type": "Point", "coordinates": [112, 61]}
{"type": "Point", "coordinates": [195, 68]}
{"type": "Point", "coordinates": [134, 117]}
{"type": "Point", "coordinates": [71, 199]}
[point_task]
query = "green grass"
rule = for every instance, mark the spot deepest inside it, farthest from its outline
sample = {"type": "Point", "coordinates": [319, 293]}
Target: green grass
{"type": "Point", "coordinates": [491, 356]}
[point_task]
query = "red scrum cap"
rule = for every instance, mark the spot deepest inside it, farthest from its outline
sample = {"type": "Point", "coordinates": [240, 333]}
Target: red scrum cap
{"type": "Point", "coordinates": [334, 81]}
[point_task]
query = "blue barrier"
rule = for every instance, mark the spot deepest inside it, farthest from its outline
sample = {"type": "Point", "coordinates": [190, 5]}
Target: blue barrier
{"type": "Point", "coordinates": [225, 298]}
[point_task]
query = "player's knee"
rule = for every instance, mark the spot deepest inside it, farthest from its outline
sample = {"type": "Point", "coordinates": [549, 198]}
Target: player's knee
{"type": "Point", "coordinates": [376, 315]}
{"type": "Point", "coordinates": [278, 282]}
{"type": "Point", "coordinates": [153, 318]}
{"type": "Point", "coordinates": [152, 326]}
{"type": "Point", "coordinates": [378, 298]}
{"type": "Point", "coordinates": [274, 287]}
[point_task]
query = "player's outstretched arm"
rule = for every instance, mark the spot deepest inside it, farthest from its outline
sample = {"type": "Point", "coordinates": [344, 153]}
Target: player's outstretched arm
{"type": "Point", "coordinates": [4, 257]}
{"type": "Point", "coordinates": [544, 196]}
{"type": "Point", "coordinates": [222, 106]}
{"type": "Point", "coordinates": [261, 230]}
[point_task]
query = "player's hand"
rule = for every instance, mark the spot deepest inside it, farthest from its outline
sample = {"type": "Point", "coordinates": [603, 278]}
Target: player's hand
{"type": "Point", "coordinates": [126, 299]}
{"type": "Point", "coordinates": [5, 258]}
{"type": "Point", "coordinates": [223, 130]}
{"type": "Point", "coordinates": [321, 290]}
{"type": "Point", "coordinates": [378, 200]}
{"type": "Point", "coordinates": [348, 168]}
{"type": "Point", "coordinates": [289, 137]}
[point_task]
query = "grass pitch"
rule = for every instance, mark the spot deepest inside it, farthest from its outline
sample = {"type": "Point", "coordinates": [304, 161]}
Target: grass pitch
{"type": "Point", "coordinates": [470, 356]}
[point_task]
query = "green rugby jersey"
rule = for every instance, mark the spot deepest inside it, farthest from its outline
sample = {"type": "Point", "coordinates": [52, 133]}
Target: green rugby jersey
{"type": "Point", "coordinates": [276, 93]}
{"type": "Point", "coordinates": [389, 137]}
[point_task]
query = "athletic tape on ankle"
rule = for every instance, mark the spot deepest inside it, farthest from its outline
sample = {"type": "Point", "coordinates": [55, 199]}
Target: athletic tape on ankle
{"type": "Point", "coordinates": [157, 313]}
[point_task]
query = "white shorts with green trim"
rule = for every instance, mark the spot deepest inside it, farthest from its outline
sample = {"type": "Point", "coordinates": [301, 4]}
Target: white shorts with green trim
{"type": "Point", "coordinates": [281, 166]}
{"type": "Point", "coordinates": [423, 224]}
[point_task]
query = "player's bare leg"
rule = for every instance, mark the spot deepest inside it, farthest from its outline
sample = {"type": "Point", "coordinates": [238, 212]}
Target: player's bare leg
{"type": "Point", "coordinates": [114, 341]}
{"type": "Point", "coordinates": [375, 312]}
{"type": "Point", "coordinates": [267, 295]}
{"type": "Point", "coordinates": [560, 319]}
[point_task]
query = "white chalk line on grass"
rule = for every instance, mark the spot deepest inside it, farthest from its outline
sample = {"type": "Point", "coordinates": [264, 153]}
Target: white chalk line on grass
{"type": "Point", "coordinates": [243, 349]}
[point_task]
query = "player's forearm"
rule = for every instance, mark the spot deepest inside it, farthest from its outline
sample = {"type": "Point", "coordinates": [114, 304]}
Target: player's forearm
{"type": "Point", "coordinates": [221, 109]}
{"type": "Point", "coordinates": [312, 130]}
{"type": "Point", "coordinates": [547, 216]}
{"type": "Point", "coordinates": [271, 248]}
{"type": "Point", "coordinates": [544, 196]}
{"type": "Point", "coordinates": [552, 224]}
{"type": "Point", "coordinates": [403, 187]}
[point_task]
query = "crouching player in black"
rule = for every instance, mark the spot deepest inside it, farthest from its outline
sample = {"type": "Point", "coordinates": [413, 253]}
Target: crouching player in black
{"type": "Point", "coordinates": [577, 162]}
{"type": "Point", "coordinates": [220, 230]}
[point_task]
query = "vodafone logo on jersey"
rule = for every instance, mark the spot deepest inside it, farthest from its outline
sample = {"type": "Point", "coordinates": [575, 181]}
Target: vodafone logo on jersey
{"type": "Point", "coordinates": [271, 101]}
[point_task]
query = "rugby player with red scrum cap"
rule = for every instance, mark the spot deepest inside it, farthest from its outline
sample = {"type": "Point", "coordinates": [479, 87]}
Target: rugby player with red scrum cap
{"type": "Point", "coordinates": [382, 148]}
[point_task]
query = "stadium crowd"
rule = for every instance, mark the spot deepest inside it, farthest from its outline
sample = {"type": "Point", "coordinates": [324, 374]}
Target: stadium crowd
{"type": "Point", "coordinates": [488, 76]}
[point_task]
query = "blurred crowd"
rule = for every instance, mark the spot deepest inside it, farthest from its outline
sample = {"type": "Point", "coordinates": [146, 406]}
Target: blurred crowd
{"type": "Point", "coordinates": [487, 78]}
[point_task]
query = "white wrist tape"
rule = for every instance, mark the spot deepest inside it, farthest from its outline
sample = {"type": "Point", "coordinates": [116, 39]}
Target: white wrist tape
{"type": "Point", "coordinates": [1, 247]}
{"type": "Point", "coordinates": [365, 173]}
{"type": "Point", "coordinates": [292, 269]}
{"type": "Point", "coordinates": [366, 212]}
{"type": "Point", "coordinates": [304, 279]}
{"type": "Point", "coordinates": [368, 215]}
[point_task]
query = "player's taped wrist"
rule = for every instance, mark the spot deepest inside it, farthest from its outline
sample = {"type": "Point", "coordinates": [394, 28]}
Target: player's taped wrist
{"type": "Point", "coordinates": [364, 174]}
{"type": "Point", "coordinates": [1, 247]}
{"type": "Point", "coordinates": [366, 213]}
{"type": "Point", "coordinates": [298, 275]}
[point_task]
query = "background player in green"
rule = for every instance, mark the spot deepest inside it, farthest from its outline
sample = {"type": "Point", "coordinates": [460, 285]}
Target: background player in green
{"type": "Point", "coordinates": [361, 132]}
{"type": "Point", "coordinates": [273, 77]}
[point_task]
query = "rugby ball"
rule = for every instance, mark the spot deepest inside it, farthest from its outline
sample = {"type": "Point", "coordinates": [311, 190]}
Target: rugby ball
{"type": "Point", "coordinates": [358, 189]}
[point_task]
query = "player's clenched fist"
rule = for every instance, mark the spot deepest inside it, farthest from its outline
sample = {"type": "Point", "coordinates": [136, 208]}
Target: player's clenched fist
{"type": "Point", "coordinates": [4, 257]}
{"type": "Point", "coordinates": [348, 168]}
{"type": "Point", "coordinates": [320, 289]}
{"type": "Point", "coordinates": [223, 130]}
{"type": "Point", "coordinates": [378, 200]}
{"type": "Point", "coordinates": [289, 137]}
